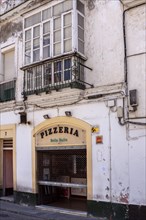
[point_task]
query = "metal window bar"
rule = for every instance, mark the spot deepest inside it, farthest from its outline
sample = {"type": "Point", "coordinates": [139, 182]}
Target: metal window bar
{"type": "Point", "coordinates": [61, 173]}
{"type": "Point", "coordinates": [7, 91]}
{"type": "Point", "coordinates": [54, 76]}
{"type": "Point", "coordinates": [53, 165]}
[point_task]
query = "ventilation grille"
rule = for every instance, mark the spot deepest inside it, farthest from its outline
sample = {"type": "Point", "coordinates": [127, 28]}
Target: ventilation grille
{"type": "Point", "coordinates": [8, 143]}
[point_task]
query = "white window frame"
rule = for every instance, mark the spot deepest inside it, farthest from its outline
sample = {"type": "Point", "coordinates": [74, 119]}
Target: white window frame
{"type": "Point", "coordinates": [3, 52]}
{"type": "Point", "coordinates": [74, 27]}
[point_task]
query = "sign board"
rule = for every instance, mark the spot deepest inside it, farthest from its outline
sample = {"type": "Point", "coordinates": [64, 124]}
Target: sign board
{"type": "Point", "coordinates": [95, 129]}
{"type": "Point", "coordinates": [61, 134]}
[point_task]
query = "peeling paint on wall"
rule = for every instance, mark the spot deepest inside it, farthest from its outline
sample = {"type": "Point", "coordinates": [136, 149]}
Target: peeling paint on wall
{"type": "Point", "coordinates": [91, 4]}
{"type": "Point", "coordinates": [124, 197]}
{"type": "Point", "coordinates": [9, 30]}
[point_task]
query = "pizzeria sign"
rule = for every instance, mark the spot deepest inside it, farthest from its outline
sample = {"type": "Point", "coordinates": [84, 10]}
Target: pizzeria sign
{"type": "Point", "coordinates": [61, 135]}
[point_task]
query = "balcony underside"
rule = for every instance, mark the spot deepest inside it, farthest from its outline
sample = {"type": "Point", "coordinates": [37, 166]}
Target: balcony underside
{"type": "Point", "coordinates": [57, 87]}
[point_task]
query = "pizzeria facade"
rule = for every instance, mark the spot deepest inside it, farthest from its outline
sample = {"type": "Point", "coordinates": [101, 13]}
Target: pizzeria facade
{"type": "Point", "coordinates": [72, 106]}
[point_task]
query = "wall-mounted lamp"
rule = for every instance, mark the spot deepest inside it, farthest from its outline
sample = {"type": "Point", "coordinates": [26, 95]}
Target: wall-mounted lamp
{"type": "Point", "coordinates": [68, 113]}
{"type": "Point", "coordinates": [23, 118]}
{"type": "Point", "coordinates": [46, 116]}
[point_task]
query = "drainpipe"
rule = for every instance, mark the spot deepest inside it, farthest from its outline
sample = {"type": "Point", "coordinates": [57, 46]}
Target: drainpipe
{"type": "Point", "coordinates": [125, 46]}
{"type": "Point", "coordinates": [126, 69]}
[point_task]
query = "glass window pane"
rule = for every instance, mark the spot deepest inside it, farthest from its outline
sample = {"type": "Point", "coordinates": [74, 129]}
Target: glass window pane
{"type": "Point", "coordinates": [57, 66]}
{"type": "Point", "coordinates": [46, 27]}
{"type": "Point", "coordinates": [67, 64]}
{"type": "Point", "coordinates": [47, 74]}
{"type": "Point", "coordinates": [28, 22]}
{"type": "Point", "coordinates": [67, 75]}
{"type": "Point", "coordinates": [57, 36]}
{"type": "Point", "coordinates": [81, 46]}
{"type": "Point", "coordinates": [57, 77]}
{"type": "Point", "coordinates": [67, 45]}
{"type": "Point", "coordinates": [27, 46]}
{"type": "Point", "coordinates": [57, 23]}
{"type": "Point", "coordinates": [46, 14]}
{"type": "Point", "coordinates": [67, 19]}
{"type": "Point", "coordinates": [36, 55]}
{"type": "Point", "coordinates": [57, 48]}
{"type": "Point", "coordinates": [81, 33]}
{"type": "Point", "coordinates": [34, 19]}
{"type": "Point", "coordinates": [46, 39]}
{"type": "Point", "coordinates": [80, 21]}
{"type": "Point", "coordinates": [57, 71]}
{"type": "Point", "coordinates": [36, 31]}
{"type": "Point", "coordinates": [67, 69]}
{"type": "Point", "coordinates": [36, 43]}
{"type": "Point", "coordinates": [38, 77]}
{"type": "Point", "coordinates": [27, 35]}
{"type": "Point", "coordinates": [29, 79]}
{"type": "Point", "coordinates": [27, 57]}
{"type": "Point", "coordinates": [57, 9]}
{"type": "Point", "coordinates": [46, 52]}
{"type": "Point", "coordinates": [80, 6]}
{"type": "Point", "coordinates": [67, 5]}
{"type": "Point", "coordinates": [67, 32]}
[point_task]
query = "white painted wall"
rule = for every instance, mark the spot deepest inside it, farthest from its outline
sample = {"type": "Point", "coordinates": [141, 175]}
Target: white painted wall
{"type": "Point", "coordinates": [24, 158]}
{"type": "Point", "coordinates": [137, 169]}
{"type": "Point", "coordinates": [136, 52]}
{"type": "Point", "coordinates": [135, 30]}
{"type": "Point", "coordinates": [104, 43]}
{"type": "Point", "coordinates": [136, 135]}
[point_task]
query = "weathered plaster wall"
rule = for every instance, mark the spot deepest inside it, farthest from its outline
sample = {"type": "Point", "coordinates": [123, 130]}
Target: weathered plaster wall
{"type": "Point", "coordinates": [9, 29]}
{"type": "Point", "coordinates": [136, 51]}
{"type": "Point", "coordinates": [118, 165]}
{"type": "Point", "coordinates": [24, 158]}
{"type": "Point", "coordinates": [137, 169]}
{"type": "Point", "coordinates": [119, 171]}
{"type": "Point", "coordinates": [11, 37]}
{"type": "Point", "coordinates": [135, 20]}
{"type": "Point", "coordinates": [104, 43]}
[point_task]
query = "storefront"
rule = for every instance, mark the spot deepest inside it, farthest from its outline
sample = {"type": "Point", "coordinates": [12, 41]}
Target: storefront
{"type": "Point", "coordinates": [62, 172]}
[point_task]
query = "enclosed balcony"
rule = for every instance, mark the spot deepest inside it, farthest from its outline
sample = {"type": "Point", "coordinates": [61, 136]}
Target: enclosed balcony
{"type": "Point", "coordinates": [54, 74]}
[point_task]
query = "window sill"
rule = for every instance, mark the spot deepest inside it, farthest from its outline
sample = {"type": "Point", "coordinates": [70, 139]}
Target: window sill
{"type": "Point", "coordinates": [25, 67]}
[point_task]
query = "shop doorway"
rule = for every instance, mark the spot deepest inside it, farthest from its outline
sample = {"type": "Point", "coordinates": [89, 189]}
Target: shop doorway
{"type": "Point", "coordinates": [7, 167]}
{"type": "Point", "coordinates": [62, 178]}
